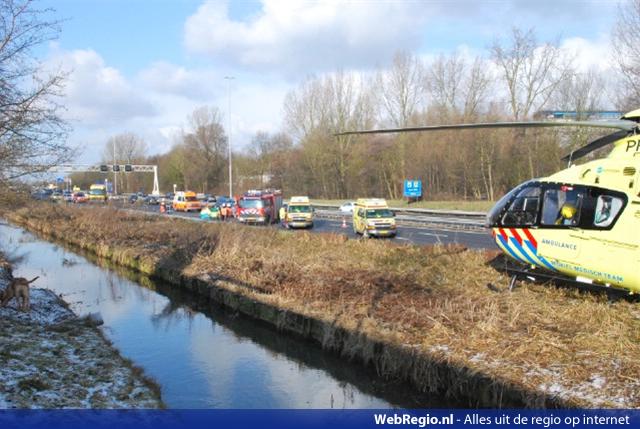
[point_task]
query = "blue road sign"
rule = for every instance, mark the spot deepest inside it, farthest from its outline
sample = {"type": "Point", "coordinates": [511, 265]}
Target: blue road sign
{"type": "Point", "coordinates": [413, 188]}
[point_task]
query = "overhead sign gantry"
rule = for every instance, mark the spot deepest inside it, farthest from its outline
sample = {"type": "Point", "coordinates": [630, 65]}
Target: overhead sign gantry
{"type": "Point", "coordinates": [108, 168]}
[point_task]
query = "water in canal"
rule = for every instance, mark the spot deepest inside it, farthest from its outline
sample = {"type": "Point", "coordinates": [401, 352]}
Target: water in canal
{"type": "Point", "coordinates": [202, 356]}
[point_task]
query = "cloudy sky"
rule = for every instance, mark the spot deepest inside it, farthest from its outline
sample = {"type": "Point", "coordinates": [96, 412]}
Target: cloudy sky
{"type": "Point", "coordinates": [143, 65]}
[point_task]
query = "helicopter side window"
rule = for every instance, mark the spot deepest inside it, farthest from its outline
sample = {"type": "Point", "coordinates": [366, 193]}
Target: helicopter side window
{"type": "Point", "coordinates": [607, 208]}
{"type": "Point", "coordinates": [523, 211]}
{"type": "Point", "coordinates": [562, 206]}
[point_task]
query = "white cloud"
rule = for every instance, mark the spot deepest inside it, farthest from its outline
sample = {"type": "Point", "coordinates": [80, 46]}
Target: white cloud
{"type": "Point", "coordinates": [101, 101]}
{"type": "Point", "coordinates": [294, 37]}
{"type": "Point", "coordinates": [164, 77]}
{"type": "Point", "coordinates": [590, 54]}
{"type": "Point", "coordinates": [295, 40]}
{"type": "Point", "coordinates": [302, 38]}
{"type": "Point", "coordinates": [96, 93]}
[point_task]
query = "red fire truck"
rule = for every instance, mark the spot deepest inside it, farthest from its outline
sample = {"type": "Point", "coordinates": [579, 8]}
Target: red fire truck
{"type": "Point", "coordinates": [259, 206]}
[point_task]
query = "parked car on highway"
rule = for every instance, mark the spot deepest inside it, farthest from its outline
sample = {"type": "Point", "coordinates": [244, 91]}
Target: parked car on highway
{"type": "Point", "coordinates": [80, 197]}
{"type": "Point", "coordinates": [67, 196]}
{"type": "Point", "coordinates": [56, 195]}
{"type": "Point", "coordinates": [167, 198]}
{"type": "Point", "coordinates": [186, 201]}
{"type": "Point", "coordinates": [225, 200]}
{"type": "Point", "coordinates": [347, 207]}
{"type": "Point", "coordinates": [41, 194]}
{"type": "Point", "coordinates": [152, 200]}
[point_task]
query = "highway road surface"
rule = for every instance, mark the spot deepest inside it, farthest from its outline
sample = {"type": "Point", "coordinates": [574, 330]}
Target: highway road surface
{"type": "Point", "coordinates": [406, 234]}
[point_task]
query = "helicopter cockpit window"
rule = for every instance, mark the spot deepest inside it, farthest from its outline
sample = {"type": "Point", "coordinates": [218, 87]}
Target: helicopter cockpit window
{"type": "Point", "coordinates": [607, 208]}
{"type": "Point", "coordinates": [562, 206]}
{"type": "Point", "coordinates": [523, 211]}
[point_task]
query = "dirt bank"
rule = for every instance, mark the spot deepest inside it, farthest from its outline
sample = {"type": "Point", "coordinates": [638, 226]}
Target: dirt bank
{"type": "Point", "coordinates": [53, 359]}
{"type": "Point", "coordinates": [424, 314]}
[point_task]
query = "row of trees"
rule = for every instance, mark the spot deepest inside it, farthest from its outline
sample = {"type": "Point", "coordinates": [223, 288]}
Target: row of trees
{"type": "Point", "coordinates": [517, 77]}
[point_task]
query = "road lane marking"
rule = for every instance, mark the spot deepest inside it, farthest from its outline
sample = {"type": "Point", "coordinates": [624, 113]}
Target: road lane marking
{"type": "Point", "coordinates": [431, 234]}
{"type": "Point", "coordinates": [437, 236]}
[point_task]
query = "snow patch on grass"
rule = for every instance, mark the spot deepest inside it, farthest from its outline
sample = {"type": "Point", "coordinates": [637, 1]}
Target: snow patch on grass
{"type": "Point", "coordinates": [53, 359]}
{"type": "Point", "coordinates": [46, 309]}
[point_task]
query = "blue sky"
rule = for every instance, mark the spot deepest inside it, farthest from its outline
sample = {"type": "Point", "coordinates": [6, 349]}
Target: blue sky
{"type": "Point", "coordinates": [142, 66]}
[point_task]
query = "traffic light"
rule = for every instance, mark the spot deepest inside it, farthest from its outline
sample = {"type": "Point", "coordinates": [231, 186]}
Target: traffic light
{"type": "Point", "coordinates": [128, 168]}
{"type": "Point", "coordinates": [116, 168]}
{"type": "Point", "coordinates": [104, 168]}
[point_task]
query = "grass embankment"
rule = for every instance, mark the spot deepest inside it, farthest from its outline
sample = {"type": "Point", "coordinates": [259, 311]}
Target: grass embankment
{"type": "Point", "coordinates": [462, 205]}
{"type": "Point", "coordinates": [52, 359]}
{"type": "Point", "coordinates": [422, 313]}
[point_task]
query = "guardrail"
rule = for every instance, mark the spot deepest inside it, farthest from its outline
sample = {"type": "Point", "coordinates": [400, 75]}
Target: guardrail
{"type": "Point", "coordinates": [420, 217]}
{"type": "Point", "coordinates": [450, 219]}
{"type": "Point", "coordinates": [455, 213]}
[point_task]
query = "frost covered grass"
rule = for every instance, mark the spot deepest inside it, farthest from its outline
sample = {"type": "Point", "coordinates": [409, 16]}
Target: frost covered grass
{"type": "Point", "coordinates": [435, 301]}
{"type": "Point", "coordinates": [52, 359]}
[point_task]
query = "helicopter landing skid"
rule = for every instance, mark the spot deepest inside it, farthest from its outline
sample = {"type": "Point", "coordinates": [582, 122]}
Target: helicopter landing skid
{"type": "Point", "coordinates": [540, 276]}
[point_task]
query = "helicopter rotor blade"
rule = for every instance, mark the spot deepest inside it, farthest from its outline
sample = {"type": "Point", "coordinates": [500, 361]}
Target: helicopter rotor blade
{"type": "Point", "coordinates": [594, 145]}
{"type": "Point", "coordinates": [625, 125]}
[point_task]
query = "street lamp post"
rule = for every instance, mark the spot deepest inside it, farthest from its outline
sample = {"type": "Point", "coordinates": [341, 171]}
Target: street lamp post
{"type": "Point", "coordinates": [115, 173]}
{"type": "Point", "coordinates": [229, 79]}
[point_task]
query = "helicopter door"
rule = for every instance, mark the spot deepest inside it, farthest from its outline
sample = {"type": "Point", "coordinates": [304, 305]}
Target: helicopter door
{"type": "Point", "coordinates": [562, 212]}
{"type": "Point", "coordinates": [612, 251]}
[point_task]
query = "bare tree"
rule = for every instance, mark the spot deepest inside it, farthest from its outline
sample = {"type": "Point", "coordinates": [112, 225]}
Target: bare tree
{"type": "Point", "coordinates": [268, 155]}
{"type": "Point", "coordinates": [581, 93]}
{"type": "Point", "coordinates": [626, 39]}
{"type": "Point", "coordinates": [125, 148]}
{"type": "Point", "coordinates": [307, 108]}
{"type": "Point", "coordinates": [401, 90]}
{"type": "Point", "coordinates": [531, 72]}
{"type": "Point", "coordinates": [401, 94]}
{"type": "Point", "coordinates": [444, 81]}
{"type": "Point", "coordinates": [457, 88]}
{"type": "Point", "coordinates": [32, 133]}
{"type": "Point", "coordinates": [321, 108]}
{"type": "Point", "coordinates": [205, 148]}
{"type": "Point", "coordinates": [476, 89]}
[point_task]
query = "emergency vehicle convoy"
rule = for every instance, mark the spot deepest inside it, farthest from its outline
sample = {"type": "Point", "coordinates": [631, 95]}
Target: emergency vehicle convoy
{"type": "Point", "coordinates": [186, 201]}
{"type": "Point", "coordinates": [259, 207]}
{"type": "Point", "coordinates": [298, 213]}
{"type": "Point", "coordinates": [372, 217]}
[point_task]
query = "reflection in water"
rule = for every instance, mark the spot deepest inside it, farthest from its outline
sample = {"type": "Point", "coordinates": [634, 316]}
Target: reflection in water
{"type": "Point", "coordinates": [202, 355]}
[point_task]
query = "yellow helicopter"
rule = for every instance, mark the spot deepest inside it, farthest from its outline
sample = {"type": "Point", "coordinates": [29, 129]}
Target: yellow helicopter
{"type": "Point", "coordinates": [580, 224]}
